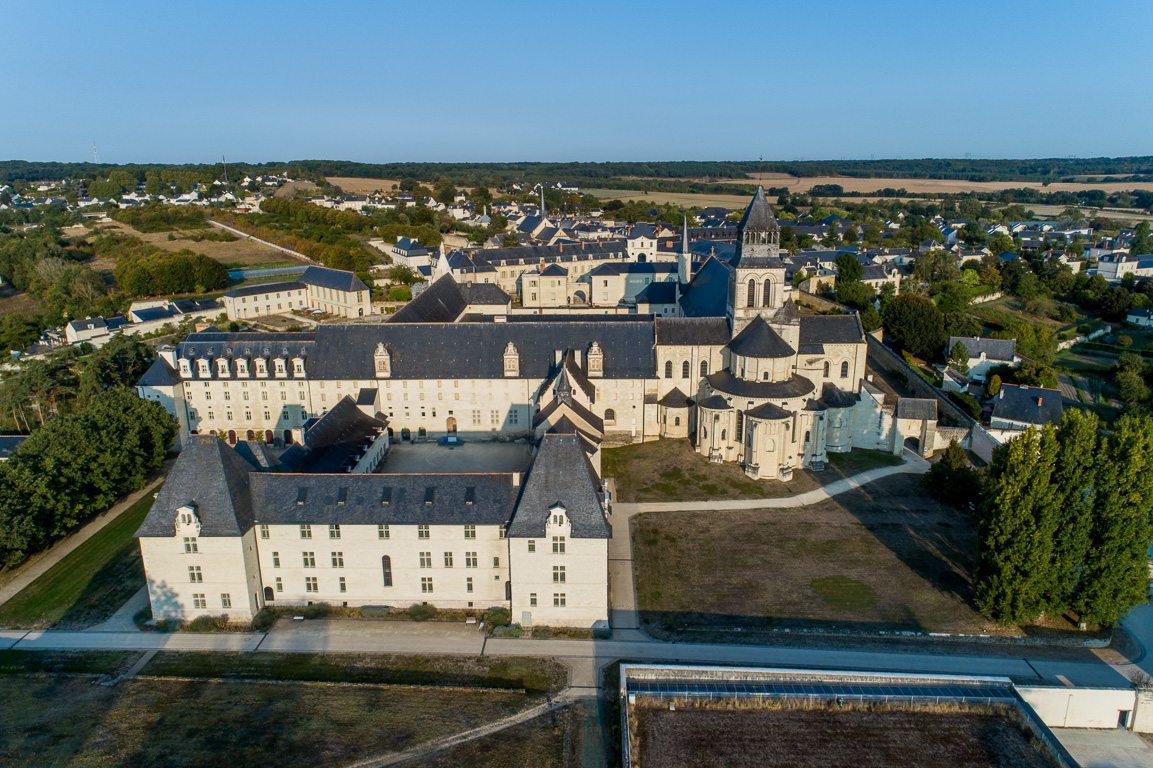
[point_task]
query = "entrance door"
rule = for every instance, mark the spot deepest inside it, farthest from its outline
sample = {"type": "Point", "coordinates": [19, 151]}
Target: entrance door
{"type": "Point", "coordinates": [526, 618]}
{"type": "Point", "coordinates": [452, 425]}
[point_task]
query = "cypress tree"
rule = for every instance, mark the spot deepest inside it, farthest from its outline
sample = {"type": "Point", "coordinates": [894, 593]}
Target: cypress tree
{"type": "Point", "coordinates": [1074, 476]}
{"type": "Point", "coordinates": [1116, 574]}
{"type": "Point", "coordinates": [1015, 528]}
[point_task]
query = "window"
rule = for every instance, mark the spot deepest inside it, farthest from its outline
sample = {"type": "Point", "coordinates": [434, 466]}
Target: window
{"type": "Point", "coordinates": [610, 416]}
{"type": "Point", "coordinates": [496, 562]}
{"type": "Point", "coordinates": [558, 574]}
{"type": "Point", "coordinates": [194, 574]}
{"type": "Point", "coordinates": [470, 531]}
{"type": "Point", "coordinates": [306, 531]}
{"type": "Point", "coordinates": [337, 559]}
{"type": "Point", "coordinates": [225, 600]}
{"type": "Point", "coordinates": [668, 369]}
{"type": "Point", "coordinates": [198, 600]}
{"type": "Point", "coordinates": [826, 369]}
{"type": "Point", "coordinates": [275, 559]}
{"type": "Point", "coordinates": [845, 370]}
{"type": "Point", "coordinates": [190, 545]}
{"type": "Point", "coordinates": [309, 559]}
{"type": "Point", "coordinates": [558, 519]}
{"type": "Point", "coordinates": [382, 531]}
{"type": "Point", "coordinates": [310, 584]}
{"type": "Point", "coordinates": [500, 532]}
{"type": "Point", "coordinates": [343, 585]}
{"type": "Point", "coordinates": [470, 559]}
{"type": "Point", "coordinates": [334, 531]}
{"type": "Point", "coordinates": [704, 368]}
{"type": "Point", "coordinates": [740, 422]}
{"type": "Point", "coordinates": [264, 531]}
{"type": "Point", "coordinates": [532, 599]}
{"type": "Point", "coordinates": [766, 297]}
{"type": "Point", "coordinates": [279, 584]}
{"type": "Point", "coordinates": [558, 545]}
{"type": "Point", "coordinates": [676, 421]}
{"type": "Point", "coordinates": [386, 567]}
{"type": "Point", "coordinates": [532, 545]}
{"type": "Point", "coordinates": [752, 300]}
{"type": "Point", "coordinates": [468, 584]}
{"type": "Point", "coordinates": [425, 559]}
{"type": "Point", "coordinates": [558, 599]}
{"type": "Point", "coordinates": [447, 559]}
{"type": "Point", "coordinates": [426, 584]}
{"type": "Point", "coordinates": [685, 369]}
{"type": "Point", "coordinates": [422, 531]}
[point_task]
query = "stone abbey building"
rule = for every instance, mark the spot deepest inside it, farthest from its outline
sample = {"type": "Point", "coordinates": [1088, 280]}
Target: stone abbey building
{"type": "Point", "coordinates": [737, 368]}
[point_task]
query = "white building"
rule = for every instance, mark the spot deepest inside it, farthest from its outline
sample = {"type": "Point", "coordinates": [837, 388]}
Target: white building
{"type": "Point", "coordinates": [329, 290]}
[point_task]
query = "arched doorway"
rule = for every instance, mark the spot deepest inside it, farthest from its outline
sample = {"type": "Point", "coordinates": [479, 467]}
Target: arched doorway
{"type": "Point", "coordinates": [451, 425]}
{"type": "Point", "coordinates": [405, 435]}
{"type": "Point", "coordinates": [269, 436]}
{"type": "Point", "coordinates": [422, 433]}
{"type": "Point", "coordinates": [251, 435]}
{"type": "Point", "coordinates": [268, 595]}
{"type": "Point", "coordinates": [232, 437]}
{"type": "Point", "coordinates": [288, 437]}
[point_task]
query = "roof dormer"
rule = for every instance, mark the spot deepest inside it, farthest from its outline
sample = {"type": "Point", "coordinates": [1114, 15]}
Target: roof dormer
{"type": "Point", "coordinates": [187, 520]}
{"type": "Point", "coordinates": [382, 362]}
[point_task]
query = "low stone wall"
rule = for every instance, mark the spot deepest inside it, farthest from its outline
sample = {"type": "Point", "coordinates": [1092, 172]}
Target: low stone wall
{"type": "Point", "coordinates": [821, 304]}
{"type": "Point", "coordinates": [987, 298]}
{"type": "Point", "coordinates": [882, 357]}
{"type": "Point", "coordinates": [1070, 343]}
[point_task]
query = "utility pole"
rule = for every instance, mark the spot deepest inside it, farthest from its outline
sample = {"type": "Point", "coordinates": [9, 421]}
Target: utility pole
{"type": "Point", "coordinates": [95, 154]}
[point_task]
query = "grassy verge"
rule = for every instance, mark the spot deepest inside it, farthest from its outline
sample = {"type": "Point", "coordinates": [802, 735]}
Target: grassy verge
{"type": "Point", "coordinates": [861, 460]}
{"type": "Point", "coordinates": [15, 662]}
{"type": "Point", "coordinates": [513, 672]}
{"type": "Point", "coordinates": [69, 721]}
{"type": "Point", "coordinates": [89, 584]}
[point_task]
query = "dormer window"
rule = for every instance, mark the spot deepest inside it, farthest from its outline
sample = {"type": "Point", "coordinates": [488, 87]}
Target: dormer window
{"type": "Point", "coordinates": [222, 367]}
{"type": "Point", "coordinates": [281, 368]}
{"type": "Point", "coordinates": [298, 366]}
{"type": "Point", "coordinates": [241, 367]}
{"type": "Point", "coordinates": [382, 362]}
{"type": "Point", "coordinates": [261, 367]}
{"type": "Point", "coordinates": [203, 369]}
{"type": "Point", "coordinates": [186, 368]}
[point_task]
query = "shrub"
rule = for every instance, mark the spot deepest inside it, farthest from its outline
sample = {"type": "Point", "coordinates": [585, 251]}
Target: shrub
{"type": "Point", "coordinates": [497, 617]}
{"type": "Point", "coordinates": [967, 403]}
{"type": "Point", "coordinates": [1125, 341]}
{"type": "Point", "coordinates": [208, 624]}
{"type": "Point", "coordinates": [422, 612]}
{"type": "Point", "coordinates": [1084, 328]}
{"type": "Point", "coordinates": [263, 621]}
{"type": "Point", "coordinates": [399, 294]}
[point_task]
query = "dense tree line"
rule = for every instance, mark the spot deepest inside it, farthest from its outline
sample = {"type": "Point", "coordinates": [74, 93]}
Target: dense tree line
{"type": "Point", "coordinates": [146, 270]}
{"type": "Point", "coordinates": [40, 263]}
{"type": "Point", "coordinates": [157, 217]}
{"type": "Point", "coordinates": [77, 465]}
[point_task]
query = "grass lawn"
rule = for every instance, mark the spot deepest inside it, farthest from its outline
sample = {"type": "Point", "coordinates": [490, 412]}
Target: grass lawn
{"type": "Point", "coordinates": [1006, 309]}
{"type": "Point", "coordinates": [882, 557]}
{"type": "Point", "coordinates": [532, 674]}
{"type": "Point", "coordinates": [70, 721]}
{"type": "Point", "coordinates": [89, 584]}
{"type": "Point", "coordinates": [669, 470]}
{"type": "Point", "coordinates": [538, 743]}
{"type": "Point", "coordinates": [861, 460]}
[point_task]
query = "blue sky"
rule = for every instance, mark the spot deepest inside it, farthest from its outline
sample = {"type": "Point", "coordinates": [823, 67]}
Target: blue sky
{"type": "Point", "coordinates": [592, 81]}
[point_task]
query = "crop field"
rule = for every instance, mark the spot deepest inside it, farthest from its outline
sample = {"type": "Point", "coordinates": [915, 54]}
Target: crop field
{"type": "Point", "coordinates": [951, 186]}
{"type": "Point", "coordinates": [358, 186]}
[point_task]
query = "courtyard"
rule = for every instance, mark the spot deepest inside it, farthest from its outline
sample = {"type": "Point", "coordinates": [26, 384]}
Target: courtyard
{"type": "Point", "coordinates": [418, 458]}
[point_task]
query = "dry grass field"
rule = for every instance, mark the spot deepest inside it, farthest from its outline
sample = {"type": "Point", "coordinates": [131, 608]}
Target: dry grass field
{"type": "Point", "coordinates": [237, 253]}
{"type": "Point", "coordinates": [882, 557]}
{"type": "Point", "coordinates": [358, 186]}
{"type": "Point", "coordinates": [851, 184]}
{"type": "Point", "coordinates": [831, 738]}
{"type": "Point", "coordinates": [539, 743]}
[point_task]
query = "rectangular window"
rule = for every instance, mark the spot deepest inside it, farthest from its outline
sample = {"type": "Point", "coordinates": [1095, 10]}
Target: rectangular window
{"type": "Point", "coordinates": [470, 559]}
{"type": "Point", "coordinates": [426, 584]}
{"type": "Point", "coordinates": [275, 559]}
{"type": "Point", "coordinates": [309, 559]}
{"type": "Point", "coordinates": [558, 545]}
{"type": "Point", "coordinates": [190, 545]}
{"type": "Point", "coordinates": [225, 600]}
{"type": "Point", "coordinates": [382, 531]}
{"type": "Point", "coordinates": [337, 559]}
{"type": "Point", "coordinates": [558, 574]}
{"type": "Point", "coordinates": [310, 584]}
{"type": "Point", "coordinates": [194, 574]}
{"type": "Point", "coordinates": [468, 584]}
{"type": "Point", "coordinates": [343, 585]}
{"type": "Point", "coordinates": [306, 531]}
{"type": "Point", "coordinates": [532, 545]}
{"type": "Point", "coordinates": [422, 531]}
{"type": "Point", "coordinates": [496, 562]}
{"type": "Point", "coordinates": [198, 600]}
{"type": "Point", "coordinates": [279, 584]}
{"type": "Point", "coordinates": [447, 559]}
{"type": "Point", "coordinates": [532, 599]}
{"type": "Point", "coordinates": [500, 532]}
{"type": "Point", "coordinates": [558, 600]}
{"type": "Point", "coordinates": [264, 531]}
{"type": "Point", "coordinates": [334, 531]}
{"type": "Point", "coordinates": [425, 559]}
{"type": "Point", "coordinates": [470, 531]}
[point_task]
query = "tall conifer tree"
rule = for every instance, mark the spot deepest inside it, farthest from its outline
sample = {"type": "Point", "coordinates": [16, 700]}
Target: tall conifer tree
{"type": "Point", "coordinates": [1074, 478]}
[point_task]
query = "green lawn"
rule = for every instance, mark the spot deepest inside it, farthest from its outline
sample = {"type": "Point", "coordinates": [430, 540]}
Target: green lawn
{"type": "Point", "coordinates": [89, 584]}
{"type": "Point", "coordinates": [860, 460]}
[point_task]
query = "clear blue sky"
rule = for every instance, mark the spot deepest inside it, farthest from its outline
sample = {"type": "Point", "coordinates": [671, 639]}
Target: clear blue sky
{"type": "Point", "coordinates": [592, 81]}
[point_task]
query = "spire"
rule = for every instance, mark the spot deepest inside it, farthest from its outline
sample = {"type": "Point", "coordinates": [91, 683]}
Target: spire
{"type": "Point", "coordinates": [685, 236]}
{"type": "Point", "coordinates": [758, 216]}
{"type": "Point", "coordinates": [542, 211]}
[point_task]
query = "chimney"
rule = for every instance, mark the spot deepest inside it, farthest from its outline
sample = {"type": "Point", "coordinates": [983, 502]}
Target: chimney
{"type": "Point", "coordinates": [1038, 402]}
{"type": "Point", "coordinates": [516, 479]}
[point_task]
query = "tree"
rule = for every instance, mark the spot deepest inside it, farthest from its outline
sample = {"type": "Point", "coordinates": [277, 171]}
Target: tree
{"type": "Point", "coordinates": [1074, 476]}
{"type": "Point", "coordinates": [1016, 525]}
{"type": "Point", "coordinates": [994, 386]}
{"type": "Point", "coordinates": [509, 241]}
{"type": "Point", "coordinates": [936, 266]}
{"type": "Point", "coordinates": [959, 357]}
{"type": "Point", "coordinates": [953, 297]}
{"type": "Point", "coordinates": [991, 276]}
{"type": "Point", "coordinates": [952, 480]}
{"type": "Point", "coordinates": [849, 269]}
{"type": "Point", "coordinates": [917, 324]}
{"type": "Point", "coordinates": [1037, 374]}
{"type": "Point", "coordinates": [1142, 241]}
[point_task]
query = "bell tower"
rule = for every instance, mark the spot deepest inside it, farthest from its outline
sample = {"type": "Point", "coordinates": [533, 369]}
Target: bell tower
{"type": "Point", "coordinates": [757, 275]}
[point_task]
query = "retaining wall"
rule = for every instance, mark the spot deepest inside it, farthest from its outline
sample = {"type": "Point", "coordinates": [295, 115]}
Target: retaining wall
{"type": "Point", "coordinates": [886, 359]}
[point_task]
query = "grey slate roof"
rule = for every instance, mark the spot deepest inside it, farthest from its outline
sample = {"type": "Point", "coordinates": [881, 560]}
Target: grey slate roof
{"type": "Point", "coordinates": [692, 331]}
{"type": "Point", "coordinates": [256, 454]}
{"type": "Point", "coordinates": [554, 270]}
{"type": "Point", "coordinates": [917, 408]}
{"type": "Point", "coordinates": [797, 386]}
{"type": "Point", "coordinates": [714, 403]}
{"type": "Point", "coordinates": [441, 302]}
{"type": "Point", "coordinates": [838, 398]}
{"type": "Point", "coordinates": [768, 412]}
{"type": "Point", "coordinates": [212, 477]}
{"type": "Point", "coordinates": [331, 442]}
{"type": "Point", "coordinates": [758, 339]}
{"type": "Point", "coordinates": [1016, 403]}
{"type": "Point", "coordinates": [994, 349]}
{"type": "Point", "coordinates": [658, 293]}
{"type": "Point", "coordinates": [831, 329]}
{"type": "Point", "coordinates": [674, 398]}
{"type": "Point", "coordinates": [253, 290]}
{"type": "Point", "coordinates": [560, 473]}
{"type": "Point", "coordinates": [758, 215]}
{"type": "Point", "coordinates": [484, 293]}
{"type": "Point", "coordinates": [708, 291]}
{"type": "Point", "coordinates": [333, 279]}
{"type": "Point", "coordinates": [275, 499]}
{"type": "Point", "coordinates": [159, 375]}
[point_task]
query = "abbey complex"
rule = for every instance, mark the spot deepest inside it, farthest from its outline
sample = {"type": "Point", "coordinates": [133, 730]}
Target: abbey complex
{"type": "Point", "coordinates": [733, 365]}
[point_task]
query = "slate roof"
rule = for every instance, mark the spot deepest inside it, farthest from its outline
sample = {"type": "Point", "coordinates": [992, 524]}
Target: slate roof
{"type": "Point", "coordinates": [674, 398]}
{"type": "Point", "coordinates": [692, 331]}
{"type": "Point", "coordinates": [159, 375]}
{"type": "Point", "coordinates": [1019, 404]}
{"type": "Point", "coordinates": [154, 313]}
{"type": "Point", "coordinates": [768, 412]}
{"type": "Point", "coordinates": [587, 250]}
{"type": "Point", "coordinates": [797, 386]}
{"type": "Point", "coordinates": [334, 279]}
{"type": "Point", "coordinates": [256, 454]}
{"type": "Point", "coordinates": [714, 403]}
{"type": "Point", "coordinates": [560, 473]}
{"type": "Point", "coordinates": [831, 329]}
{"type": "Point", "coordinates": [758, 339]}
{"type": "Point", "coordinates": [254, 290]}
{"type": "Point", "coordinates": [838, 398]}
{"type": "Point", "coordinates": [554, 270]}
{"type": "Point", "coordinates": [708, 291]}
{"type": "Point", "coordinates": [212, 477]}
{"type": "Point", "coordinates": [194, 305]}
{"type": "Point", "coordinates": [332, 441]}
{"type": "Point", "coordinates": [658, 293]}
{"type": "Point", "coordinates": [9, 443]}
{"type": "Point", "coordinates": [758, 215]}
{"type": "Point", "coordinates": [441, 302]}
{"type": "Point", "coordinates": [277, 499]}
{"type": "Point", "coordinates": [924, 409]}
{"type": "Point", "coordinates": [994, 349]}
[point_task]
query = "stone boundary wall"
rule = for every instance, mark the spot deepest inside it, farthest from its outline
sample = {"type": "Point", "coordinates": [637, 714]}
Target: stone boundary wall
{"type": "Point", "coordinates": [1070, 343]}
{"type": "Point", "coordinates": [882, 356]}
{"type": "Point", "coordinates": [821, 304]}
{"type": "Point", "coordinates": [987, 298]}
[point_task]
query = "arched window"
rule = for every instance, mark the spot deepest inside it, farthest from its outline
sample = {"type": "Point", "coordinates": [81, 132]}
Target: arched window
{"type": "Point", "coordinates": [685, 369]}
{"type": "Point", "coordinates": [826, 369]}
{"type": "Point", "coordinates": [269, 596]}
{"type": "Point", "coordinates": [704, 432]}
{"type": "Point", "coordinates": [668, 369]}
{"type": "Point", "coordinates": [740, 422]}
{"type": "Point", "coordinates": [767, 296]}
{"type": "Point", "coordinates": [386, 566]}
{"type": "Point", "coordinates": [422, 433]}
{"type": "Point", "coordinates": [677, 421]}
{"type": "Point", "coordinates": [610, 416]}
{"type": "Point", "coordinates": [752, 302]}
{"type": "Point", "coordinates": [724, 434]}
{"type": "Point", "coordinates": [845, 370]}
{"type": "Point", "coordinates": [704, 368]}
{"type": "Point", "coordinates": [807, 437]}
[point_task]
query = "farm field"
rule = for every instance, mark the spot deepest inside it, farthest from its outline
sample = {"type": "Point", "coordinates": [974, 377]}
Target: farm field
{"type": "Point", "coordinates": [686, 199]}
{"type": "Point", "coordinates": [360, 186]}
{"type": "Point", "coordinates": [818, 737]}
{"type": "Point", "coordinates": [852, 184]}
{"type": "Point", "coordinates": [236, 254]}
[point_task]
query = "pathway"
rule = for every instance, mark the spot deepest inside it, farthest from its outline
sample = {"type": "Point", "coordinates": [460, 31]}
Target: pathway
{"type": "Point", "coordinates": [245, 236]}
{"type": "Point", "coordinates": [38, 564]}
